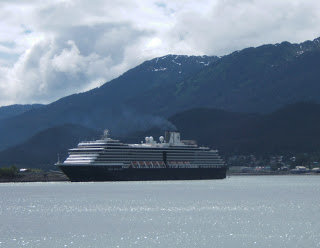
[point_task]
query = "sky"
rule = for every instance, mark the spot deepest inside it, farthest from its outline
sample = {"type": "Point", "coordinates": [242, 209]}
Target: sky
{"type": "Point", "coordinates": [53, 48]}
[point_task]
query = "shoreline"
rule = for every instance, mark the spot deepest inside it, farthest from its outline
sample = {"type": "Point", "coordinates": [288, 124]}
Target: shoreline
{"type": "Point", "coordinates": [272, 174]}
{"type": "Point", "coordinates": [36, 177]}
{"type": "Point", "coordinates": [60, 177]}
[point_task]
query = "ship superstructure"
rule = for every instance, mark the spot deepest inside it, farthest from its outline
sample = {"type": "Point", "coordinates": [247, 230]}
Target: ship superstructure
{"type": "Point", "coordinates": [108, 159]}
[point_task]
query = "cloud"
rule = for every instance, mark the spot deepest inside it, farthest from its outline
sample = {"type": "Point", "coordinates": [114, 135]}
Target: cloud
{"type": "Point", "coordinates": [50, 49]}
{"type": "Point", "coordinates": [232, 25]}
{"type": "Point", "coordinates": [52, 68]}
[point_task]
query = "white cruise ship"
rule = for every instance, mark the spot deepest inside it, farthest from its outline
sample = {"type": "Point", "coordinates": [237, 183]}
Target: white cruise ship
{"type": "Point", "coordinates": [108, 159]}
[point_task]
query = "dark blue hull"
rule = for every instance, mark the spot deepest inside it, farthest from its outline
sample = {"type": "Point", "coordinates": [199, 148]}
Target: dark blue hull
{"type": "Point", "coordinates": [93, 173]}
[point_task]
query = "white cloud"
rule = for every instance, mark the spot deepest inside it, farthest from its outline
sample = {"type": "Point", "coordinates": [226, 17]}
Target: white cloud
{"type": "Point", "coordinates": [50, 49]}
{"type": "Point", "coordinates": [69, 60]}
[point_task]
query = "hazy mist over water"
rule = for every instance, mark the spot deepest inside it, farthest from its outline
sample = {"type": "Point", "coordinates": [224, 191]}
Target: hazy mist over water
{"type": "Point", "coordinates": [252, 211]}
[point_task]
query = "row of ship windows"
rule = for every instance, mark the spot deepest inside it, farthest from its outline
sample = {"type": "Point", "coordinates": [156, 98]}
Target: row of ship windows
{"type": "Point", "coordinates": [143, 155]}
{"type": "Point", "coordinates": [146, 154]}
{"type": "Point", "coordinates": [169, 162]}
{"type": "Point", "coordinates": [203, 163]}
{"type": "Point", "coordinates": [130, 149]}
{"type": "Point", "coordinates": [155, 158]}
{"type": "Point", "coordinates": [144, 150]}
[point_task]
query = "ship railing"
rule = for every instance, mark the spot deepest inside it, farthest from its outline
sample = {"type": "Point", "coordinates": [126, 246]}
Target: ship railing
{"type": "Point", "coordinates": [171, 164]}
{"type": "Point", "coordinates": [183, 166]}
{"type": "Point", "coordinates": [147, 164]}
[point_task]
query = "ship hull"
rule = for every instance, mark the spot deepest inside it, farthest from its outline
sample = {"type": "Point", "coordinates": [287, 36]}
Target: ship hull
{"type": "Point", "coordinates": [93, 173]}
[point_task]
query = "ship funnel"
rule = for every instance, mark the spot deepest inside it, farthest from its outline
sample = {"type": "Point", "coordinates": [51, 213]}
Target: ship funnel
{"type": "Point", "coordinates": [106, 133]}
{"type": "Point", "coordinates": [173, 138]}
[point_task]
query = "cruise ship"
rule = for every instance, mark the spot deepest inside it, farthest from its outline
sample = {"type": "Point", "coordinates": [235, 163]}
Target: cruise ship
{"type": "Point", "coordinates": [108, 159]}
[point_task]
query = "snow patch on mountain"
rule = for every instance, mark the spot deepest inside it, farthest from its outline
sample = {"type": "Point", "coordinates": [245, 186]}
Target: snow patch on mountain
{"type": "Point", "coordinates": [160, 69]}
{"type": "Point", "coordinates": [176, 62]}
{"type": "Point", "coordinates": [204, 63]}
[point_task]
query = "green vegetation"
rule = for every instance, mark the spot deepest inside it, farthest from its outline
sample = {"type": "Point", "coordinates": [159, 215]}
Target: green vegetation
{"type": "Point", "coordinates": [275, 162]}
{"type": "Point", "coordinates": [8, 172]}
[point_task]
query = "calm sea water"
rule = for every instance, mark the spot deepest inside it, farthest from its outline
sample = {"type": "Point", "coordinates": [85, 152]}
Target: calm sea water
{"type": "Point", "coordinates": [253, 211]}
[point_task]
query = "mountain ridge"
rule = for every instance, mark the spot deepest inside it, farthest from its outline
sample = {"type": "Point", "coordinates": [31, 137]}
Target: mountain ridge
{"type": "Point", "coordinates": [247, 80]}
{"type": "Point", "coordinates": [104, 106]}
{"type": "Point", "coordinates": [17, 109]}
{"type": "Point", "coordinates": [288, 131]}
{"type": "Point", "coordinates": [260, 79]}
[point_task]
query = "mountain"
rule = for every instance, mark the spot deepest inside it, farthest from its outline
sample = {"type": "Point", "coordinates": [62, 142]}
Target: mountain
{"type": "Point", "coordinates": [41, 150]}
{"type": "Point", "coordinates": [290, 130]}
{"type": "Point", "coordinates": [16, 109]}
{"type": "Point", "coordinates": [260, 80]}
{"type": "Point", "coordinates": [106, 107]}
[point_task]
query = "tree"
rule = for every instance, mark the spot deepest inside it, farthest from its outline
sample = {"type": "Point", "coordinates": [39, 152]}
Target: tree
{"type": "Point", "coordinates": [8, 172]}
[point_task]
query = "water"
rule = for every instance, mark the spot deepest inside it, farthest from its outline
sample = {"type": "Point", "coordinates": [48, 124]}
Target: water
{"type": "Point", "coordinates": [252, 211]}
